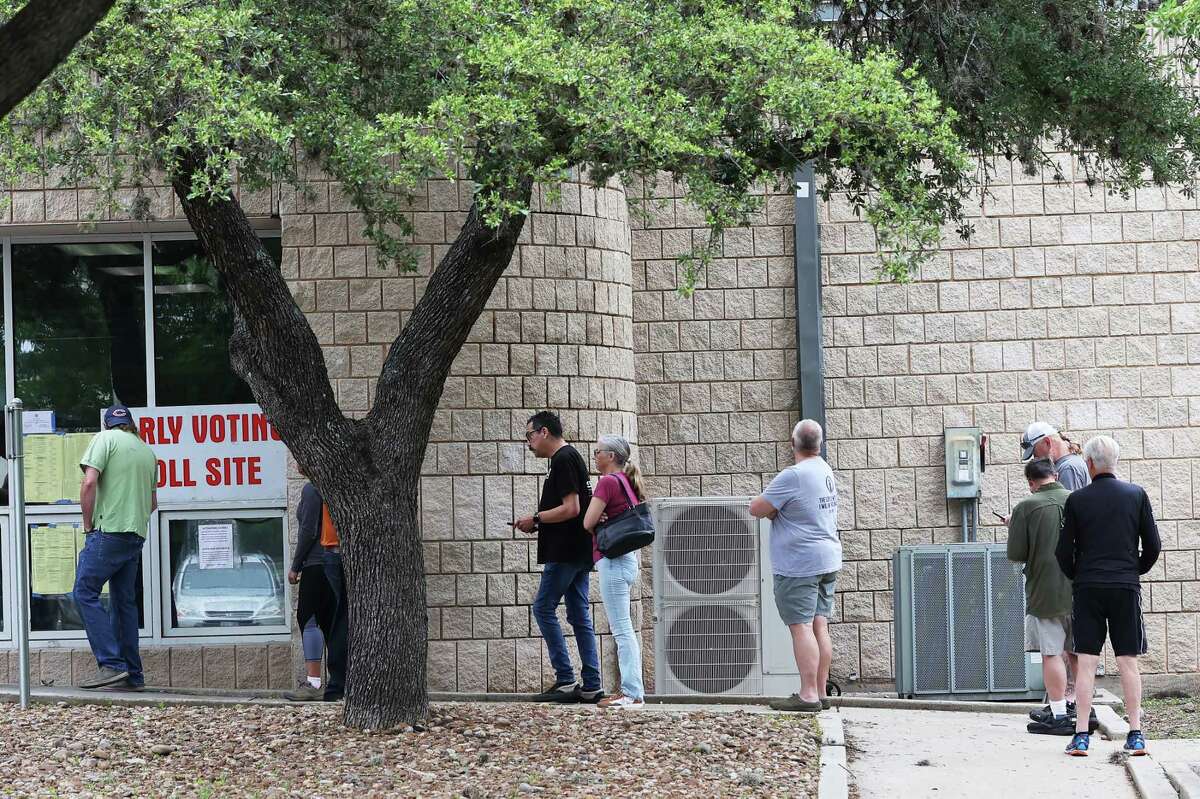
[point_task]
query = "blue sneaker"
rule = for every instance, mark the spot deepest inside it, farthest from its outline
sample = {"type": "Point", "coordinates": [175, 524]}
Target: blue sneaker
{"type": "Point", "coordinates": [1079, 745]}
{"type": "Point", "coordinates": [1135, 743]}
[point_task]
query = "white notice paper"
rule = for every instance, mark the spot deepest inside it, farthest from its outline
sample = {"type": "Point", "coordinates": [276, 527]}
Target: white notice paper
{"type": "Point", "coordinates": [216, 546]}
{"type": "Point", "coordinates": [37, 421]}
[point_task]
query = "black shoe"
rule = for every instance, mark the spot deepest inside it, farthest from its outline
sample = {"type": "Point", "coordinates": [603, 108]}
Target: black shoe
{"type": "Point", "coordinates": [1044, 714]}
{"type": "Point", "coordinates": [1064, 725]}
{"type": "Point", "coordinates": [1093, 721]}
{"type": "Point", "coordinates": [336, 697]}
{"type": "Point", "coordinates": [559, 692]}
{"type": "Point", "coordinates": [588, 697]}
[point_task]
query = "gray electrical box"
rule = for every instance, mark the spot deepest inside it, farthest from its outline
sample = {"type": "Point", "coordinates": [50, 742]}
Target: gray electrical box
{"type": "Point", "coordinates": [964, 467]}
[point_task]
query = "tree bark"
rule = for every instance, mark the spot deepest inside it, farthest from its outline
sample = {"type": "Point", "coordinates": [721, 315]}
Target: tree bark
{"type": "Point", "coordinates": [37, 39]}
{"type": "Point", "coordinates": [367, 471]}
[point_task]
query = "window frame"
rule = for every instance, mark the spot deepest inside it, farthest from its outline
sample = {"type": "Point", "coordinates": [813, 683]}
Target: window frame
{"type": "Point", "coordinates": [8, 555]}
{"type": "Point", "coordinates": [208, 634]}
{"type": "Point", "coordinates": [144, 632]}
{"type": "Point", "coordinates": [156, 551]}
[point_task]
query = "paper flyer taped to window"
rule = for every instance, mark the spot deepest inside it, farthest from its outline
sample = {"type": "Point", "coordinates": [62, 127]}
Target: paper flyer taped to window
{"type": "Point", "coordinates": [34, 422]}
{"type": "Point", "coordinates": [216, 546]}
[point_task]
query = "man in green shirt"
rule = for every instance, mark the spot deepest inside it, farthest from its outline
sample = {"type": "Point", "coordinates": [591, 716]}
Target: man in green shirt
{"type": "Point", "coordinates": [117, 496]}
{"type": "Point", "coordinates": [1033, 530]}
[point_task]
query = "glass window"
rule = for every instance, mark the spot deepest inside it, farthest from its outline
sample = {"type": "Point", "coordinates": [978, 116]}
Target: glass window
{"type": "Point", "coordinates": [53, 554]}
{"type": "Point", "coordinates": [79, 329]}
{"type": "Point", "coordinates": [227, 572]}
{"type": "Point", "coordinates": [192, 323]}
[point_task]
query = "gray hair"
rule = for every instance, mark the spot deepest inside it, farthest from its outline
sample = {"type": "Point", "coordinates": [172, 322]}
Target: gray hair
{"type": "Point", "coordinates": [617, 445]}
{"type": "Point", "coordinates": [807, 436]}
{"type": "Point", "coordinates": [1103, 452]}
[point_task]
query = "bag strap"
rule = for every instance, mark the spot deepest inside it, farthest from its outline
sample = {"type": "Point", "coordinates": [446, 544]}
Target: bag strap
{"type": "Point", "coordinates": [624, 481]}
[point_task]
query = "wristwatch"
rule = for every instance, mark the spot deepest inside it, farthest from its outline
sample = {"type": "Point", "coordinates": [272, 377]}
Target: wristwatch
{"type": "Point", "coordinates": [537, 519]}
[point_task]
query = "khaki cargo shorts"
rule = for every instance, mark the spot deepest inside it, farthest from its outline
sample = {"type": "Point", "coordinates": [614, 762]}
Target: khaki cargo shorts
{"type": "Point", "coordinates": [1050, 636]}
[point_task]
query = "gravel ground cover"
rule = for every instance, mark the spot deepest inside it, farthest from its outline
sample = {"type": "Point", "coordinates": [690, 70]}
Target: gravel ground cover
{"type": "Point", "coordinates": [1171, 718]}
{"type": "Point", "coordinates": [466, 750]}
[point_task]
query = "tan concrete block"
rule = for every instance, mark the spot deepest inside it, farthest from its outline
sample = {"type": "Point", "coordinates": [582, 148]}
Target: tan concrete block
{"type": "Point", "coordinates": [156, 665]}
{"type": "Point", "coordinates": [282, 665]}
{"type": "Point", "coordinates": [252, 667]}
{"type": "Point", "coordinates": [54, 668]}
{"type": "Point", "coordinates": [220, 670]}
{"type": "Point", "coordinates": [187, 667]}
{"type": "Point", "coordinates": [472, 666]}
{"type": "Point", "coordinates": [441, 666]}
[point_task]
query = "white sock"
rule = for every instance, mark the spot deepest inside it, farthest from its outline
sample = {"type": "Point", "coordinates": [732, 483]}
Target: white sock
{"type": "Point", "coordinates": [1059, 708]}
{"type": "Point", "coordinates": [315, 682]}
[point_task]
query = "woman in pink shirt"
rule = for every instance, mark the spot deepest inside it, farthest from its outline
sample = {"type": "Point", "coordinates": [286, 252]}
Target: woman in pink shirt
{"type": "Point", "coordinates": [620, 488]}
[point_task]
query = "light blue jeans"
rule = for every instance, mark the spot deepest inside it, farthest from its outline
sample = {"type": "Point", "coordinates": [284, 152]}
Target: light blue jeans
{"type": "Point", "coordinates": [618, 576]}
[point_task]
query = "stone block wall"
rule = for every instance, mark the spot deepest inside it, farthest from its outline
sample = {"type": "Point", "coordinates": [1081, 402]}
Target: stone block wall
{"type": "Point", "coordinates": [220, 666]}
{"type": "Point", "coordinates": [557, 333]}
{"type": "Point", "coordinates": [1066, 305]}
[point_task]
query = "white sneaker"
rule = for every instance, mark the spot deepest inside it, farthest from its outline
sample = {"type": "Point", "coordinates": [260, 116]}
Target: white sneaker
{"type": "Point", "coordinates": [621, 700]}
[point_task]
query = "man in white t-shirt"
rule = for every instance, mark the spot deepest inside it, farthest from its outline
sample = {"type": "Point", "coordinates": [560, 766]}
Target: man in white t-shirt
{"type": "Point", "coordinates": [806, 555]}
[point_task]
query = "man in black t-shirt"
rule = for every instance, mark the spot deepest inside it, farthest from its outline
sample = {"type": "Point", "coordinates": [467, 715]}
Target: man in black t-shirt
{"type": "Point", "coordinates": [565, 549]}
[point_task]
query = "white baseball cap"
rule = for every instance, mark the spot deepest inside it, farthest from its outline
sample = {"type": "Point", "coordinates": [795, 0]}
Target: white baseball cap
{"type": "Point", "coordinates": [1033, 434]}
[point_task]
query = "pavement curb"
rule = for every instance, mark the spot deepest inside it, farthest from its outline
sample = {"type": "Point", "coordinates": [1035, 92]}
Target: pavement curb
{"type": "Point", "coordinates": [1186, 781]}
{"type": "Point", "coordinates": [1149, 778]}
{"type": "Point", "coordinates": [1112, 725]}
{"type": "Point", "coordinates": [835, 776]}
{"type": "Point", "coordinates": [878, 702]}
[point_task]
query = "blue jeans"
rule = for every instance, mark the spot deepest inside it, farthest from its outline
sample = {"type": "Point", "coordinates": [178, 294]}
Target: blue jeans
{"type": "Point", "coordinates": [111, 558]}
{"type": "Point", "coordinates": [569, 580]}
{"type": "Point", "coordinates": [618, 576]}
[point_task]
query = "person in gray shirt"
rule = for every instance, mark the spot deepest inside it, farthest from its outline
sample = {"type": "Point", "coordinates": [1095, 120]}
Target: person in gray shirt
{"type": "Point", "coordinates": [806, 556]}
{"type": "Point", "coordinates": [1043, 440]}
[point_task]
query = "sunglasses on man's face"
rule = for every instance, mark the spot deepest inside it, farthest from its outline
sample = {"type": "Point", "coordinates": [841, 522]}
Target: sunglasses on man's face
{"type": "Point", "coordinates": [529, 434]}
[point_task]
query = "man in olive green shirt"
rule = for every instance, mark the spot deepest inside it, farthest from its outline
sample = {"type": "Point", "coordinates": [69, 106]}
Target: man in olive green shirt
{"type": "Point", "coordinates": [117, 496]}
{"type": "Point", "coordinates": [1033, 531]}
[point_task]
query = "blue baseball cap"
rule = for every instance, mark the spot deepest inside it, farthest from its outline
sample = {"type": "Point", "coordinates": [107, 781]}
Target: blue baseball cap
{"type": "Point", "coordinates": [117, 414]}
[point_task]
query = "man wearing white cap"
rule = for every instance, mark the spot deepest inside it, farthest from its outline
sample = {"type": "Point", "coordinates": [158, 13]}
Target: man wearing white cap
{"type": "Point", "coordinates": [1042, 440]}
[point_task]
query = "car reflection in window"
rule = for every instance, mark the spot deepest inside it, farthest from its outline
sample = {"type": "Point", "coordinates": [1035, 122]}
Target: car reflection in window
{"type": "Point", "coordinates": [249, 593]}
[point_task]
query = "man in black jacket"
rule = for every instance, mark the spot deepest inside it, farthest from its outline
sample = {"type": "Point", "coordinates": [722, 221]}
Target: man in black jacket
{"type": "Point", "coordinates": [1103, 525]}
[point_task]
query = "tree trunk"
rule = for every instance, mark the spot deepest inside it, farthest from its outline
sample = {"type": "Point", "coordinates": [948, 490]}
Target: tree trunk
{"type": "Point", "coordinates": [368, 471]}
{"type": "Point", "coordinates": [37, 39]}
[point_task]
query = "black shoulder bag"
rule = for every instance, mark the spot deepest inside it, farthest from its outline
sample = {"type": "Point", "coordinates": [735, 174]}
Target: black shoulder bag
{"type": "Point", "coordinates": [629, 530]}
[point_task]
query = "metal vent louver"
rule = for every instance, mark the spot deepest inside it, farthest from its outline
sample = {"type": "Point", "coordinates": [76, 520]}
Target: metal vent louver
{"type": "Point", "coordinates": [712, 648]}
{"type": "Point", "coordinates": [959, 621]}
{"type": "Point", "coordinates": [707, 549]}
{"type": "Point", "coordinates": [708, 636]}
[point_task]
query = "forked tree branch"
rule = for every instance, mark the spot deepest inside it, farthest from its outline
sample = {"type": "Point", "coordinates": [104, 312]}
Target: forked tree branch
{"type": "Point", "coordinates": [38, 39]}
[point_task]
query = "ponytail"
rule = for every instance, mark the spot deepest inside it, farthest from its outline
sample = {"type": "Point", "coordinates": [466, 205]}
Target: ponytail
{"type": "Point", "coordinates": [1072, 447]}
{"type": "Point", "coordinates": [635, 479]}
{"type": "Point", "coordinates": [619, 447]}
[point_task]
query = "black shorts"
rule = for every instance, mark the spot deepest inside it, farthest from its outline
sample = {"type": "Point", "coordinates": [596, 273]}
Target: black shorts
{"type": "Point", "coordinates": [1098, 611]}
{"type": "Point", "coordinates": [316, 599]}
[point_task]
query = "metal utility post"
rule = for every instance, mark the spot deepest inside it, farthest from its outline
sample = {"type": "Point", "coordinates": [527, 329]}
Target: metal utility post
{"type": "Point", "coordinates": [14, 448]}
{"type": "Point", "coordinates": [809, 354]}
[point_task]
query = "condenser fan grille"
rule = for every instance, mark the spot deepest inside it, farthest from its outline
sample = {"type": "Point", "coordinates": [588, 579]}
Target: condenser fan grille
{"type": "Point", "coordinates": [710, 549]}
{"type": "Point", "coordinates": [711, 649]}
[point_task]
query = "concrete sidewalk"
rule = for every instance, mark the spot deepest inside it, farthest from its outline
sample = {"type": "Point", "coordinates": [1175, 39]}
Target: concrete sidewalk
{"type": "Point", "coordinates": [912, 754]}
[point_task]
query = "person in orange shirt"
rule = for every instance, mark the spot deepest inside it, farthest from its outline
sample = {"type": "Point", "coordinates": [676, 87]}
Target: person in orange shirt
{"type": "Point", "coordinates": [319, 525]}
{"type": "Point", "coordinates": [337, 647]}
